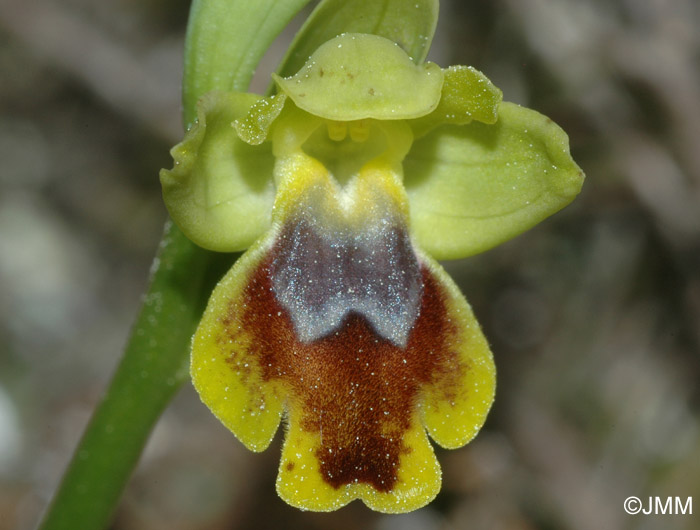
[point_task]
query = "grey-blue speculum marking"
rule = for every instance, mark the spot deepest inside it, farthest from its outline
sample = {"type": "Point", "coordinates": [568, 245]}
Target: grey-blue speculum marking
{"type": "Point", "coordinates": [324, 269]}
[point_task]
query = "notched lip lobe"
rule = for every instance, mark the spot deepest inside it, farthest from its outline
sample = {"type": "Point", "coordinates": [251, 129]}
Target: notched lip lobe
{"type": "Point", "coordinates": [282, 356]}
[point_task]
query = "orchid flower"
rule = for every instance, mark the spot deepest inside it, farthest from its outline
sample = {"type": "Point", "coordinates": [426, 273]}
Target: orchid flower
{"type": "Point", "coordinates": [345, 187]}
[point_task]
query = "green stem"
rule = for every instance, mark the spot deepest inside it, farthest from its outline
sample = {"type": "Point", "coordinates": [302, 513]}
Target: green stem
{"type": "Point", "coordinates": [155, 361]}
{"type": "Point", "coordinates": [153, 368]}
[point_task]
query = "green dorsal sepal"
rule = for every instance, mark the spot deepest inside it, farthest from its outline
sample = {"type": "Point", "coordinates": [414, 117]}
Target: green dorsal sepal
{"type": "Point", "coordinates": [356, 76]}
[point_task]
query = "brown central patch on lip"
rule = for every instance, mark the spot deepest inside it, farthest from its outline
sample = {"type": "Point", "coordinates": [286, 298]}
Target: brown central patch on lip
{"type": "Point", "coordinates": [356, 390]}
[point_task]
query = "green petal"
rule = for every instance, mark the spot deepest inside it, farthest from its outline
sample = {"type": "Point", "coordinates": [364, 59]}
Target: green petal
{"type": "Point", "coordinates": [220, 190]}
{"type": "Point", "coordinates": [474, 186]}
{"type": "Point", "coordinates": [410, 24]}
{"type": "Point", "coordinates": [340, 82]}
{"type": "Point", "coordinates": [254, 128]}
{"type": "Point", "coordinates": [467, 95]}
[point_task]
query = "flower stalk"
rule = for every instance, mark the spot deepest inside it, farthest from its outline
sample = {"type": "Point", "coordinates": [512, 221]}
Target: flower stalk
{"type": "Point", "coordinates": [155, 360]}
{"type": "Point", "coordinates": [153, 368]}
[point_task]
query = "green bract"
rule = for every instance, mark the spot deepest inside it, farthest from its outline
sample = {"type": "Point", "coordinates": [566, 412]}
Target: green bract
{"type": "Point", "coordinates": [478, 171]}
{"type": "Point", "coordinates": [409, 24]}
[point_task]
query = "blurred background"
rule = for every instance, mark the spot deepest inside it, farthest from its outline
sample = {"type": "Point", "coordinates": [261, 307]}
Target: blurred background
{"type": "Point", "coordinates": [594, 315]}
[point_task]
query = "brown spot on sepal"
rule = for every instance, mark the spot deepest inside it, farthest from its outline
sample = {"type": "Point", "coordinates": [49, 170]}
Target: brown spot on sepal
{"type": "Point", "coordinates": [355, 390]}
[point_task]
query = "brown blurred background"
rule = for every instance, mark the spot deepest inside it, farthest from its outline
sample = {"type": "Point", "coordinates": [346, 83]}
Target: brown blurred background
{"type": "Point", "coordinates": [594, 316]}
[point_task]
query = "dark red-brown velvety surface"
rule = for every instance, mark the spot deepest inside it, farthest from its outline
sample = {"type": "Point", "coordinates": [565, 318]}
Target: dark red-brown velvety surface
{"type": "Point", "coordinates": [358, 391]}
